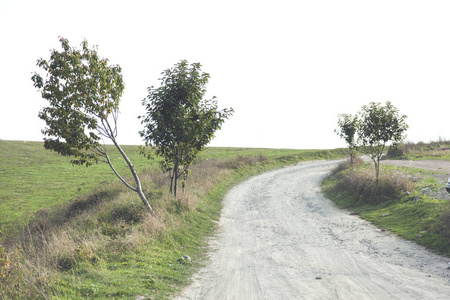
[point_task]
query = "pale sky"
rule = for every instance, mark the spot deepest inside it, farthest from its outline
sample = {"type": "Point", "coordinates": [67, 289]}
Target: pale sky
{"type": "Point", "coordinates": [288, 68]}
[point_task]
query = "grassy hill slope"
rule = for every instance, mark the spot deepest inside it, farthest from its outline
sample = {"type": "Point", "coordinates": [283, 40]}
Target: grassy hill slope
{"type": "Point", "coordinates": [77, 233]}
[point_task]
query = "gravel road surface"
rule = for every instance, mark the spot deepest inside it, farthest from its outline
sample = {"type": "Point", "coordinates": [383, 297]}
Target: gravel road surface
{"type": "Point", "coordinates": [280, 238]}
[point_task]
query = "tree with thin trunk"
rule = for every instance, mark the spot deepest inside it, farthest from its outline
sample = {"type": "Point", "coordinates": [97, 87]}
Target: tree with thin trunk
{"type": "Point", "coordinates": [83, 91]}
{"type": "Point", "coordinates": [380, 126]}
{"type": "Point", "coordinates": [348, 127]}
{"type": "Point", "coordinates": [179, 122]}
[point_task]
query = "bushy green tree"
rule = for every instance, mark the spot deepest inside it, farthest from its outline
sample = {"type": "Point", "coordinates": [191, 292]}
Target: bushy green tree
{"type": "Point", "coordinates": [83, 92]}
{"type": "Point", "coordinates": [380, 126]}
{"type": "Point", "coordinates": [347, 130]}
{"type": "Point", "coordinates": [179, 122]}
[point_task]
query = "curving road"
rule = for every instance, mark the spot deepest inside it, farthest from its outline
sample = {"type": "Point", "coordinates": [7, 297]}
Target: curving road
{"type": "Point", "coordinates": [281, 239]}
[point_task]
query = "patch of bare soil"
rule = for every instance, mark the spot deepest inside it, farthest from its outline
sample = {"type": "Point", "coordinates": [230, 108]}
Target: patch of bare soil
{"type": "Point", "coordinates": [280, 238]}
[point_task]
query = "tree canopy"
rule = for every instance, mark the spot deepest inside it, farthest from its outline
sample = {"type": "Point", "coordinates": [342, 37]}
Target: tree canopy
{"type": "Point", "coordinates": [83, 91]}
{"type": "Point", "coordinates": [179, 121]}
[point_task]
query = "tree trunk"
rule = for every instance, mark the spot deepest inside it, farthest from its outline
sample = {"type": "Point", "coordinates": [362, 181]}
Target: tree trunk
{"type": "Point", "coordinates": [144, 200]}
{"type": "Point", "coordinates": [183, 184]}
{"type": "Point", "coordinates": [171, 182]}
{"type": "Point", "coordinates": [377, 163]}
{"type": "Point", "coordinates": [175, 185]}
{"type": "Point", "coordinates": [175, 176]}
{"type": "Point", "coordinates": [377, 171]}
{"type": "Point", "coordinates": [138, 188]}
{"type": "Point", "coordinates": [351, 160]}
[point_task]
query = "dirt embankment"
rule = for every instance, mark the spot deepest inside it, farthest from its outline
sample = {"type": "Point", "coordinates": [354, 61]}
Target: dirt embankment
{"type": "Point", "coordinates": [280, 238]}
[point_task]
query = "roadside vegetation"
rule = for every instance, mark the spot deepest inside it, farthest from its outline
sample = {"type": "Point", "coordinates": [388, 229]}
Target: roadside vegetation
{"type": "Point", "coordinates": [399, 204]}
{"type": "Point", "coordinates": [68, 234]}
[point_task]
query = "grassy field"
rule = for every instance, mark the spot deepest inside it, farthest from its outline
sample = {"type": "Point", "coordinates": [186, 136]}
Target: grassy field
{"type": "Point", "coordinates": [77, 233]}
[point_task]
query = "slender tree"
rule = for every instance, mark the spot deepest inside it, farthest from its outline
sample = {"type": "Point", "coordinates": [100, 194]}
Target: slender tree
{"type": "Point", "coordinates": [83, 92]}
{"type": "Point", "coordinates": [347, 129]}
{"type": "Point", "coordinates": [381, 126]}
{"type": "Point", "coordinates": [179, 122]}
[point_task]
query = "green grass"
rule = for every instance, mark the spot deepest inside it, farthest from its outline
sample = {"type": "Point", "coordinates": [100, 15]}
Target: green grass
{"type": "Point", "coordinates": [88, 237]}
{"type": "Point", "coordinates": [411, 215]}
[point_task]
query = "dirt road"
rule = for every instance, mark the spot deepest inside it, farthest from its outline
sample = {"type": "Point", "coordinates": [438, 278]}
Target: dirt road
{"type": "Point", "coordinates": [281, 239]}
